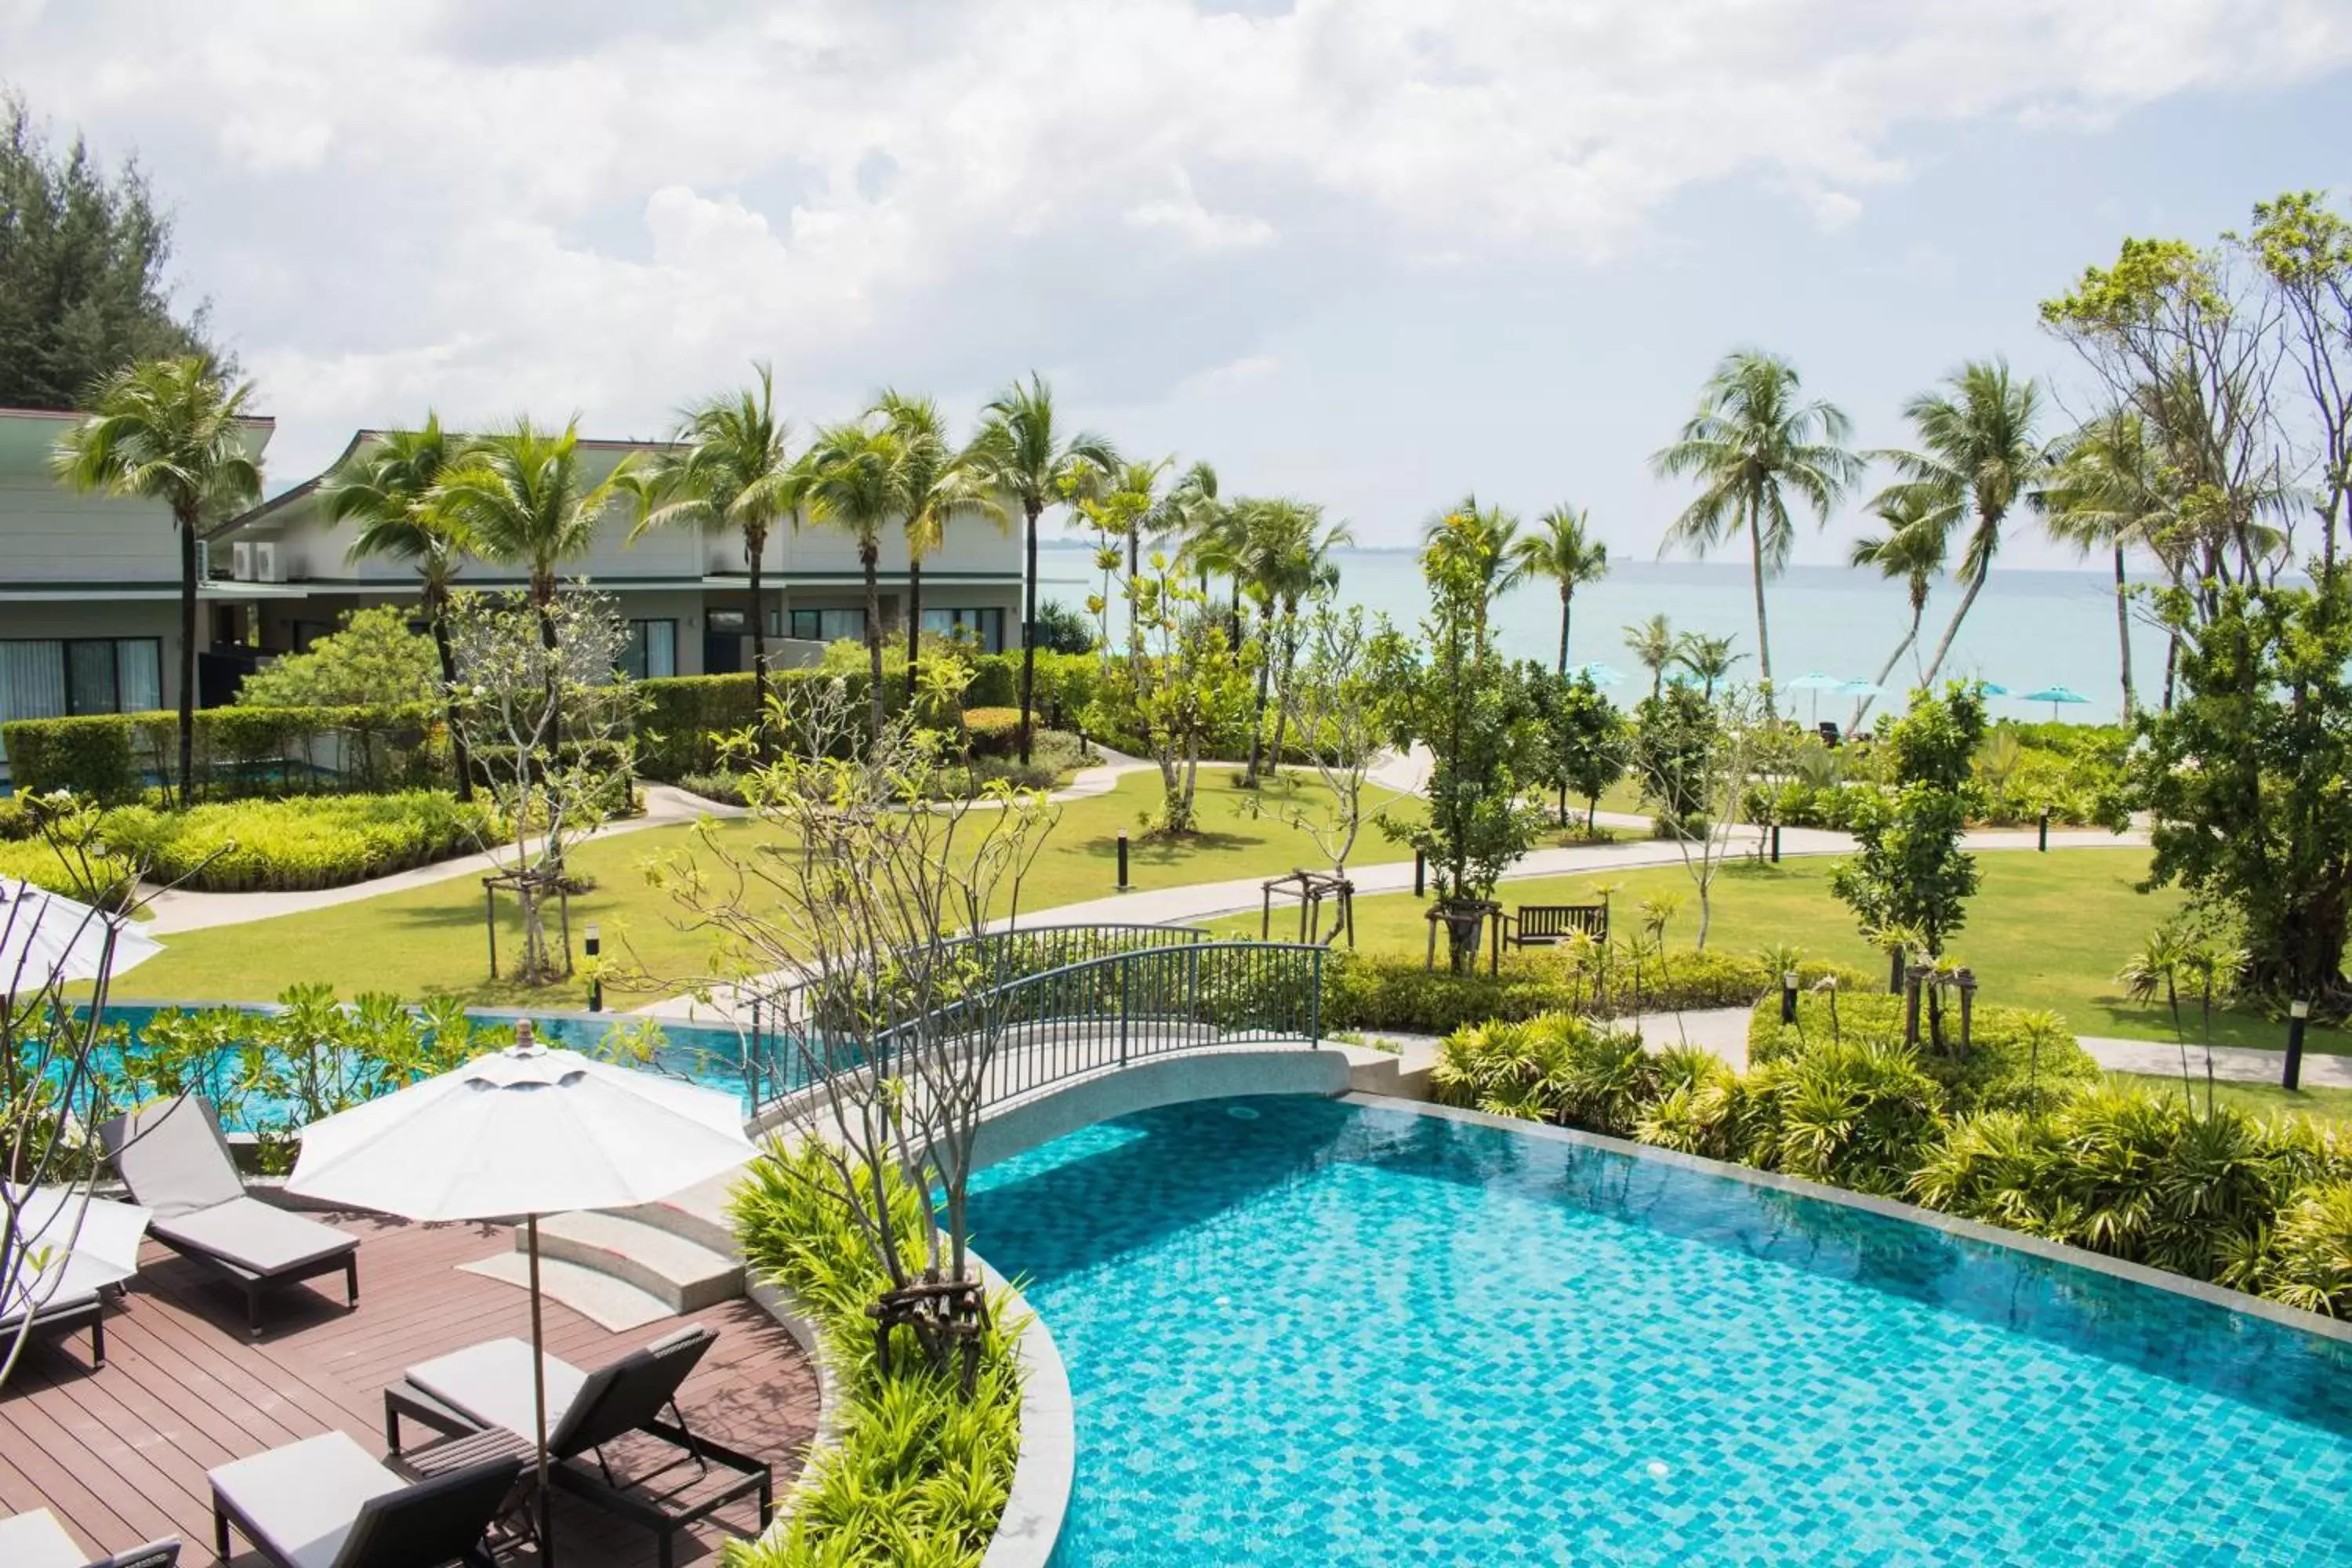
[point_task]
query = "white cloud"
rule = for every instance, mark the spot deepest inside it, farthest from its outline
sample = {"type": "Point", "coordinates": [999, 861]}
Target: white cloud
{"type": "Point", "coordinates": [1225, 378]}
{"type": "Point", "coordinates": [615, 215]}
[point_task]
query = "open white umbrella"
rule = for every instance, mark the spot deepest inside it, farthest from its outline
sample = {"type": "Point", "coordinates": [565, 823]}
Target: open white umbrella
{"type": "Point", "coordinates": [523, 1132]}
{"type": "Point", "coordinates": [43, 934]}
{"type": "Point", "coordinates": [68, 1245]}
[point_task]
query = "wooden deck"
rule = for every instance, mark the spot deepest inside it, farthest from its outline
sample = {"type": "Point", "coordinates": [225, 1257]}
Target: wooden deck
{"type": "Point", "coordinates": [119, 1455]}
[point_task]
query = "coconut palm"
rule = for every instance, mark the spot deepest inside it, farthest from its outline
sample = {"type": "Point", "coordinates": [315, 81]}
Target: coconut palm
{"type": "Point", "coordinates": [175, 431]}
{"type": "Point", "coordinates": [1980, 458]}
{"type": "Point", "coordinates": [1294, 563]}
{"type": "Point", "coordinates": [1653, 646]}
{"type": "Point", "coordinates": [1707, 659]}
{"type": "Point", "coordinates": [1484, 541]}
{"type": "Point", "coordinates": [1193, 515]}
{"type": "Point", "coordinates": [1912, 548]}
{"type": "Point", "coordinates": [854, 477]}
{"type": "Point", "coordinates": [521, 499]}
{"type": "Point", "coordinates": [1754, 441]}
{"type": "Point", "coordinates": [1022, 452]}
{"type": "Point", "coordinates": [726, 470]}
{"type": "Point", "coordinates": [1566, 552]}
{"type": "Point", "coordinates": [387, 488]}
{"type": "Point", "coordinates": [2108, 493]}
{"type": "Point", "coordinates": [940, 486]}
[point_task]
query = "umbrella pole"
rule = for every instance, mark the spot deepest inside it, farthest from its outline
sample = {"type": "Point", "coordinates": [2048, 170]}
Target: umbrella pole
{"type": "Point", "coordinates": [539, 1398]}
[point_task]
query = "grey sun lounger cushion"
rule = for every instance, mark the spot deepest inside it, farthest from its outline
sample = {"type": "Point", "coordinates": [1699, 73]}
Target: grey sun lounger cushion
{"type": "Point", "coordinates": [325, 1502]}
{"type": "Point", "coordinates": [36, 1540]}
{"type": "Point", "coordinates": [491, 1384]}
{"type": "Point", "coordinates": [259, 1237]}
{"type": "Point", "coordinates": [172, 1157]}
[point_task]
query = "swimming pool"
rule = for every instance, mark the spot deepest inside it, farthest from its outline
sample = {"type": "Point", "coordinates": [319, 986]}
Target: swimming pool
{"type": "Point", "coordinates": [1302, 1332]}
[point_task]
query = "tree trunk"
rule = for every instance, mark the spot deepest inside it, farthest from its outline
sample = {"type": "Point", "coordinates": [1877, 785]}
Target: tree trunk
{"type": "Point", "coordinates": [188, 659]}
{"type": "Point", "coordinates": [914, 623]}
{"type": "Point", "coordinates": [2122, 631]}
{"type": "Point", "coordinates": [1918, 609]}
{"type": "Point", "coordinates": [1564, 591]}
{"type": "Point", "coordinates": [1936, 665]}
{"type": "Point", "coordinates": [1282, 688]}
{"type": "Point", "coordinates": [869, 556]}
{"type": "Point", "coordinates": [436, 611]}
{"type": "Point", "coordinates": [755, 544]}
{"type": "Point", "coordinates": [1756, 556]}
{"type": "Point", "coordinates": [2171, 664]}
{"type": "Point", "coordinates": [1029, 635]}
{"type": "Point", "coordinates": [1258, 716]}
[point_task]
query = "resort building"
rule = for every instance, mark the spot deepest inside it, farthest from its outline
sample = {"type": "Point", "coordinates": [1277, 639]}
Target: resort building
{"type": "Point", "coordinates": [89, 586]}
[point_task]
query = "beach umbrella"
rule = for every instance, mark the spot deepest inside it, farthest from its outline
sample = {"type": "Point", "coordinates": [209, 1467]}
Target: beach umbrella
{"type": "Point", "coordinates": [43, 934]}
{"type": "Point", "coordinates": [68, 1244]}
{"type": "Point", "coordinates": [2054, 695]}
{"type": "Point", "coordinates": [1857, 688]}
{"type": "Point", "coordinates": [1600, 674]}
{"type": "Point", "coordinates": [1992, 689]}
{"type": "Point", "coordinates": [1814, 681]}
{"type": "Point", "coordinates": [524, 1131]}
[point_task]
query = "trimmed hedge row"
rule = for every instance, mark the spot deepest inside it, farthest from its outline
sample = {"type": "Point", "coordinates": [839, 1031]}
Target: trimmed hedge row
{"type": "Point", "coordinates": [314, 841]}
{"type": "Point", "coordinates": [1367, 991]}
{"type": "Point", "coordinates": [108, 757]}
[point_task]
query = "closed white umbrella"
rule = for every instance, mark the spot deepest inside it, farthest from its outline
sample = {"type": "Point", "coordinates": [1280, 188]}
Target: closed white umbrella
{"type": "Point", "coordinates": [526, 1131]}
{"type": "Point", "coordinates": [44, 934]}
{"type": "Point", "coordinates": [68, 1244]}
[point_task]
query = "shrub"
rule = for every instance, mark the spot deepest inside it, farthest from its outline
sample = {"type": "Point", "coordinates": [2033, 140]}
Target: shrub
{"type": "Point", "coordinates": [371, 659]}
{"type": "Point", "coordinates": [919, 1474]}
{"type": "Point", "coordinates": [317, 841]}
{"type": "Point", "coordinates": [89, 756]}
{"type": "Point", "coordinates": [1371, 990]}
{"type": "Point", "coordinates": [106, 757]}
{"type": "Point", "coordinates": [992, 731]}
{"type": "Point", "coordinates": [2314, 1266]}
{"type": "Point", "coordinates": [1555, 1068]}
{"type": "Point", "coordinates": [16, 821]}
{"type": "Point", "coordinates": [1853, 1112]}
{"type": "Point", "coordinates": [34, 860]}
{"type": "Point", "coordinates": [2016, 1060]}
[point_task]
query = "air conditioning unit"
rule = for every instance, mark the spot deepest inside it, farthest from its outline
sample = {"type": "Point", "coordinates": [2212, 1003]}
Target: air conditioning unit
{"type": "Point", "coordinates": [240, 564]}
{"type": "Point", "coordinates": [268, 563]}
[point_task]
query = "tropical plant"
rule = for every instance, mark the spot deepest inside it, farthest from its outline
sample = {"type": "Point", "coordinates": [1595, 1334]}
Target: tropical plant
{"type": "Point", "coordinates": [1024, 454]}
{"type": "Point", "coordinates": [1753, 443]}
{"type": "Point", "coordinates": [1653, 644]}
{"type": "Point", "coordinates": [1980, 456]}
{"type": "Point", "coordinates": [517, 496]}
{"type": "Point", "coordinates": [1481, 544]}
{"type": "Point", "coordinates": [2108, 492]}
{"type": "Point", "coordinates": [726, 470]}
{"type": "Point", "coordinates": [1912, 548]}
{"type": "Point", "coordinates": [175, 431]}
{"type": "Point", "coordinates": [855, 478]}
{"type": "Point", "coordinates": [1566, 551]}
{"type": "Point", "coordinates": [390, 489]}
{"type": "Point", "coordinates": [373, 659]}
{"type": "Point", "coordinates": [1707, 659]}
{"type": "Point", "coordinates": [1908, 869]}
{"type": "Point", "coordinates": [1280, 553]}
{"type": "Point", "coordinates": [941, 486]}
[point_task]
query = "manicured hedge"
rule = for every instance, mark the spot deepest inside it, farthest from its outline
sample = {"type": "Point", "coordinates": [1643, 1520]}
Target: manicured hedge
{"type": "Point", "coordinates": [88, 756]}
{"type": "Point", "coordinates": [1367, 991]}
{"type": "Point", "coordinates": [315, 841]}
{"type": "Point", "coordinates": [34, 860]}
{"type": "Point", "coordinates": [108, 757]}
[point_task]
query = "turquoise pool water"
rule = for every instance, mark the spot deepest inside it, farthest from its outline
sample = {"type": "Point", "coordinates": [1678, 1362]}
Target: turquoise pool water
{"type": "Point", "coordinates": [1303, 1332]}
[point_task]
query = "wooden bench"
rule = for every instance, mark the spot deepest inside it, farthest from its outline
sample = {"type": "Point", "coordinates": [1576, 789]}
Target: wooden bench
{"type": "Point", "coordinates": [1545, 925]}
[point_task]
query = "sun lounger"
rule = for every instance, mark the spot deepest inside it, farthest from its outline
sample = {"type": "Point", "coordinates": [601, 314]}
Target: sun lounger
{"type": "Point", "coordinates": [36, 1540]}
{"type": "Point", "coordinates": [175, 1161]}
{"type": "Point", "coordinates": [325, 1502]}
{"type": "Point", "coordinates": [488, 1388]}
{"type": "Point", "coordinates": [61, 1316]}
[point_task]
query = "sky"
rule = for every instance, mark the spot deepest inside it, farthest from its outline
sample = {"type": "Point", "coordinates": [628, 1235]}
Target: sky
{"type": "Point", "coordinates": [1373, 254]}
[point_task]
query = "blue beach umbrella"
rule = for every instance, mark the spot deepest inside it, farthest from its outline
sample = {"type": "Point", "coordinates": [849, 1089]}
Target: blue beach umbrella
{"type": "Point", "coordinates": [1600, 674]}
{"type": "Point", "coordinates": [1814, 681]}
{"type": "Point", "coordinates": [1992, 689]}
{"type": "Point", "coordinates": [1857, 688]}
{"type": "Point", "coordinates": [2054, 695]}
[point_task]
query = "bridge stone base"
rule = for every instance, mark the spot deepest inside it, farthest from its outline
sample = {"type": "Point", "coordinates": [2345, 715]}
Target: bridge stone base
{"type": "Point", "coordinates": [1211, 1074]}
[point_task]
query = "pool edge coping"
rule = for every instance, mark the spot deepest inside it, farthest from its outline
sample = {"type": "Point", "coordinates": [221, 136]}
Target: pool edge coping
{"type": "Point", "coordinates": [2200, 1290]}
{"type": "Point", "coordinates": [1045, 1471]}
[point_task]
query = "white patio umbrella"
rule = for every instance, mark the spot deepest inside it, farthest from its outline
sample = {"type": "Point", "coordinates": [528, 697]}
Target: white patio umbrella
{"type": "Point", "coordinates": [523, 1132]}
{"type": "Point", "coordinates": [44, 933]}
{"type": "Point", "coordinates": [70, 1244]}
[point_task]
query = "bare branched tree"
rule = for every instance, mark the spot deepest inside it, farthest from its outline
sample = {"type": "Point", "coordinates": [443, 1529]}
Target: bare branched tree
{"type": "Point", "coordinates": [1333, 707]}
{"type": "Point", "coordinates": [1705, 780]}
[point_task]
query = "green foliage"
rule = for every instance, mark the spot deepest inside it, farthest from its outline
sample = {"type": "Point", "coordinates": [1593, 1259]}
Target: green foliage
{"type": "Point", "coordinates": [315, 841]}
{"type": "Point", "coordinates": [1583, 737]}
{"type": "Point", "coordinates": [1556, 1066]}
{"type": "Point", "coordinates": [2016, 1060]}
{"type": "Point", "coordinates": [238, 750]}
{"type": "Point", "coordinates": [1368, 990]}
{"type": "Point", "coordinates": [991, 731]}
{"type": "Point", "coordinates": [1061, 629]}
{"type": "Point", "coordinates": [1676, 739]}
{"type": "Point", "coordinates": [920, 1475]}
{"type": "Point", "coordinates": [2244, 776]}
{"type": "Point", "coordinates": [89, 755]}
{"type": "Point", "coordinates": [2313, 1267]}
{"type": "Point", "coordinates": [82, 284]}
{"type": "Point", "coordinates": [36, 861]}
{"type": "Point", "coordinates": [374, 660]}
{"type": "Point", "coordinates": [1908, 868]}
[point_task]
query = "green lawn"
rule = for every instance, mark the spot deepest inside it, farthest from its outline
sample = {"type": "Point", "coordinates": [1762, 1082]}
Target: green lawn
{"type": "Point", "coordinates": [429, 940]}
{"type": "Point", "coordinates": [2044, 931]}
{"type": "Point", "coordinates": [2333, 1106]}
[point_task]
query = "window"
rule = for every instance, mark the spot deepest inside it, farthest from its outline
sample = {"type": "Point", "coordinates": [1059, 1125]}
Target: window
{"type": "Point", "coordinates": [56, 677]}
{"type": "Point", "coordinates": [651, 651]}
{"type": "Point", "coordinates": [829, 626]}
{"type": "Point", "coordinates": [984, 630]}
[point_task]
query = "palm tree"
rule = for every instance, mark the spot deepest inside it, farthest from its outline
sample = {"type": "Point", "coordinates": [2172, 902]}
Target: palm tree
{"type": "Point", "coordinates": [854, 477]}
{"type": "Point", "coordinates": [1193, 515]}
{"type": "Point", "coordinates": [1295, 564]}
{"type": "Point", "coordinates": [518, 498]}
{"type": "Point", "coordinates": [1566, 553]}
{"type": "Point", "coordinates": [940, 486]}
{"type": "Point", "coordinates": [2108, 492]}
{"type": "Point", "coordinates": [726, 470]}
{"type": "Point", "coordinates": [1485, 541]}
{"type": "Point", "coordinates": [175, 431]}
{"type": "Point", "coordinates": [388, 490]}
{"type": "Point", "coordinates": [1709, 658]}
{"type": "Point", "coordinates": [1753, 442]}
{"type": "Point", "coordinates": [1912, 548]}
{"type": "Point", "coordinates": [1979, 458]}
{"type": "Point", "coordinates": [1023, 455]}
{"type": "Point", "coordinates": [1653, 646]}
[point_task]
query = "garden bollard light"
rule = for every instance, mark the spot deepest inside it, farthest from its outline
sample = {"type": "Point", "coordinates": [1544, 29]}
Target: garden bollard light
{"type": "Point", "coordinates": [1420, 874]}
{"type": "Point", "coordinates": [595, 944]}
{"type": "Point", "coordinates": [2045, 830]}
{"type": "Point", "coordinates": [1788, 996]}
{"type": "Point", "coordinates": [1776, 844]}
{"type": "Point", "coordinates": [2298, 1013]}
{"type": "Point", "coordinates": [1122, 860]}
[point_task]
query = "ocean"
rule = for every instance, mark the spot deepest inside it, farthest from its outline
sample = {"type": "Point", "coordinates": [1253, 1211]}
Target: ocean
{"type": "Point", "coordinates": [2028, 630]}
